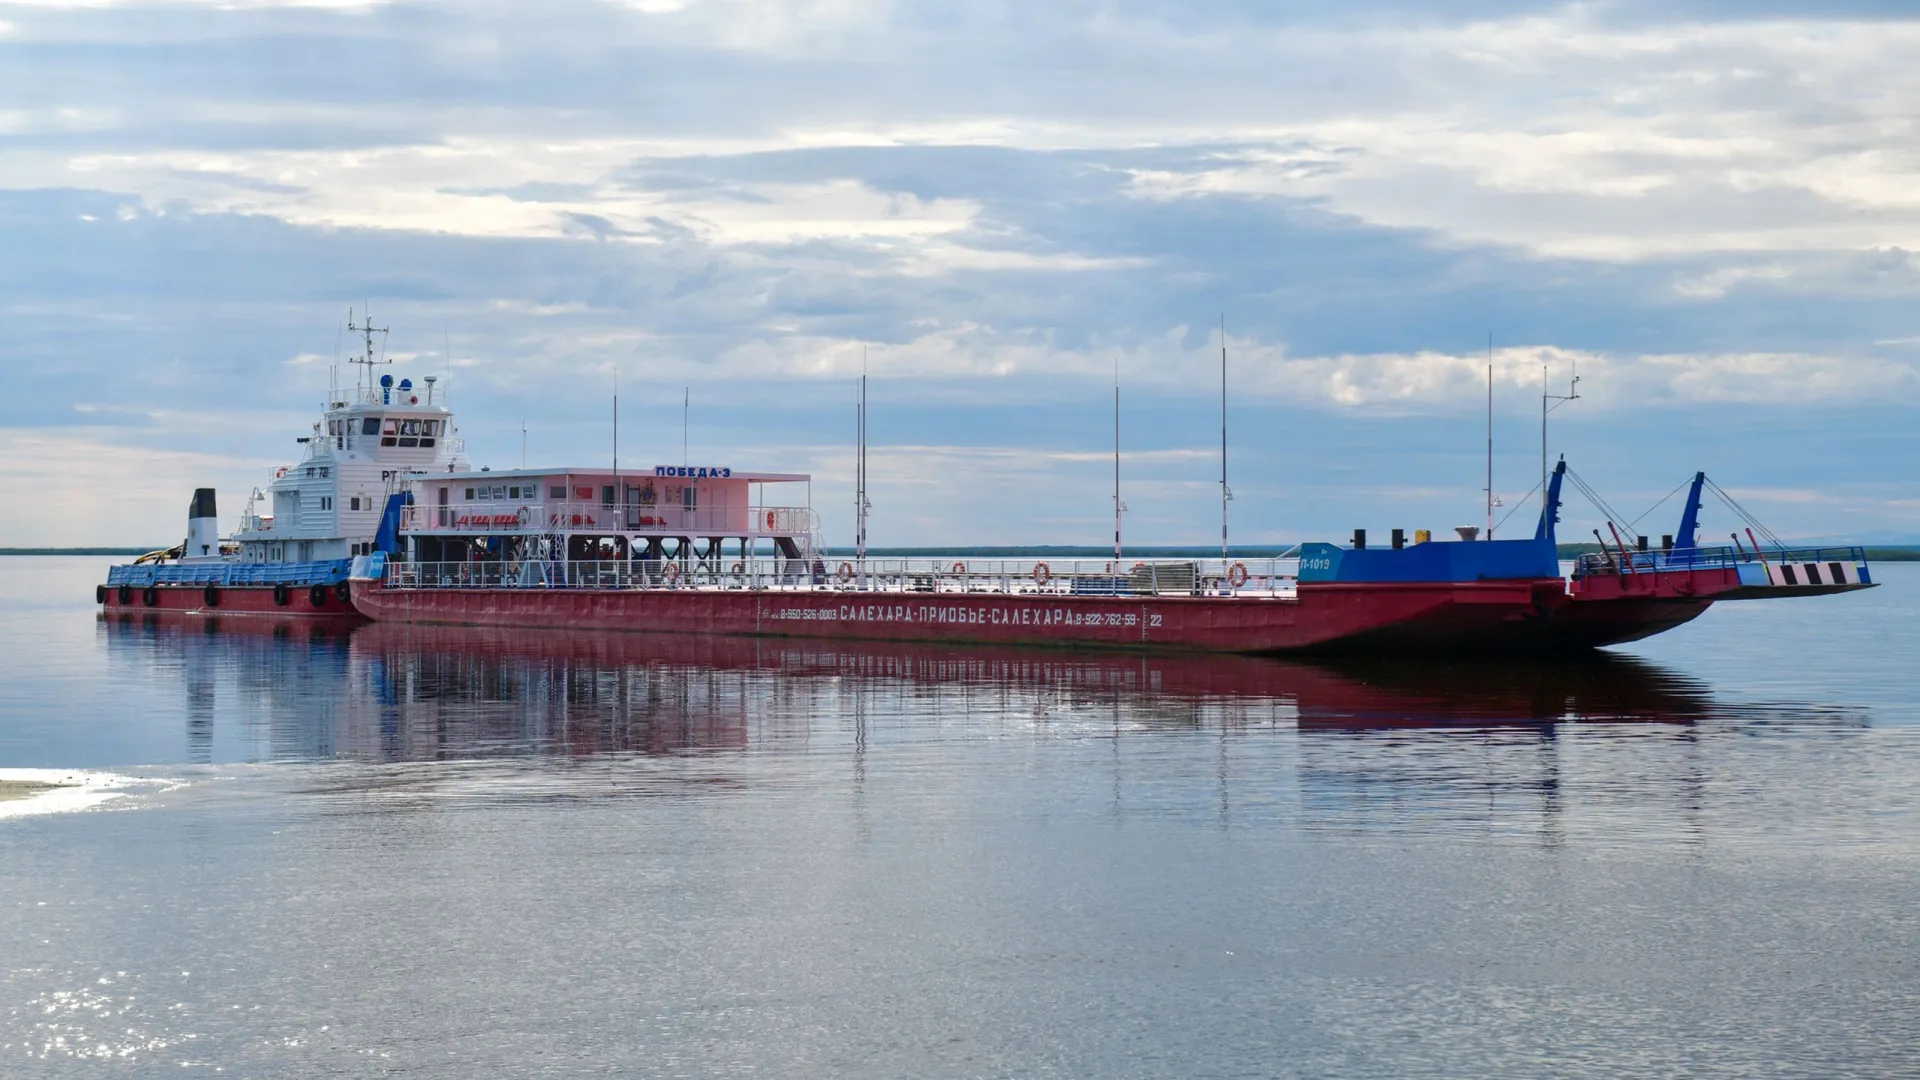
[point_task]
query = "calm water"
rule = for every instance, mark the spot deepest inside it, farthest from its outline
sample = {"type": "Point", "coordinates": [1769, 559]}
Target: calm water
{"type": "Point", "coordinates": [454, 854]}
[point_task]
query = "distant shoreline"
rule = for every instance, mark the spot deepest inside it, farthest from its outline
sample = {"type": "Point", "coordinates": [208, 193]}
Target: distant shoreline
{"type": "Point", "coordinates": [81, 550]}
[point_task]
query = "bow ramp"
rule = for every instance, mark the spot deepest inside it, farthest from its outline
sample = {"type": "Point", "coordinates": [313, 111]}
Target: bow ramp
{"type": "Point", "coordinates": [1760, 566]}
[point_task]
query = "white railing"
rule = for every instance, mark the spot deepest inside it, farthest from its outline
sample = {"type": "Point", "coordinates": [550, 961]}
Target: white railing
{"type": "Point", "coordinates": [485, 516]}
{"type": "Point", "coordinates": [1209, 577]}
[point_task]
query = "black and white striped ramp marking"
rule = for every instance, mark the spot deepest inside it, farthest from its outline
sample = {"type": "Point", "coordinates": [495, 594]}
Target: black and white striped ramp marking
{"type": "Point", "coordinates": [1813, 573]}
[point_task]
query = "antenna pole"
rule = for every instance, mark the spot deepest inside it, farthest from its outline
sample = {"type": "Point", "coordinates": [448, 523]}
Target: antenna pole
{"type": "Point", "coordinates": [860, 465]}
{"type": "Point", "coordinates": [1489, 435]}
{"type": "Point", "coordinates": [1117, 506]}
{"type": "Point", "coordinates": [523, 438]}
{"type": "Point", "coordinates": [1572, 394]}
{"type": "Point", "coordinates": [1225, 492]}
{"type": "Point", "coordinates": [616, 429]}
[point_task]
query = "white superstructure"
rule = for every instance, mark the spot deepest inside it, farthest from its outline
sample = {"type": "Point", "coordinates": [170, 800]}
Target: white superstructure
{"type": "Point", "coordinates": [366, 445]}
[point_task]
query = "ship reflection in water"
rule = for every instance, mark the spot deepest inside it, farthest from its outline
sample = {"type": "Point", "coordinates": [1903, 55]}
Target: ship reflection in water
{"type": "Point", "coordinates": [1324, 746]}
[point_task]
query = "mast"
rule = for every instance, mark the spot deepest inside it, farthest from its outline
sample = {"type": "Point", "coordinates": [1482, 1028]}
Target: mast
{"type": "Point", "coordinates": [1489, 436]}
{"type": "Point", "coordinates": [616, 434]}
{"type": "Point", "coordinates": [1117, 505]}
{"type": "Point", "coordinates": [860, 467]}
{"type": "Point", "coordinates": [1557, 400]}
{"type": "Point", "coordinates": [1225, 493]}
{"type": "Point", "coordinates": [366, 330]}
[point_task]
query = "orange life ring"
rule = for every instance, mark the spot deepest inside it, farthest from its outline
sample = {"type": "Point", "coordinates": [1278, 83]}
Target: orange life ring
{"type": "Point", "coordinates": [769, 521]}
{"type": "Point", "coordinates": [1041, 574]}
{"type": "Point", "coordinates": [1237, 575]}
{"type": "Point", "coordinates": [959, 568]}
{"type": "Point", "coordinates": [844, 574]}
{"type": "Point", "coordinates": [671, 573]}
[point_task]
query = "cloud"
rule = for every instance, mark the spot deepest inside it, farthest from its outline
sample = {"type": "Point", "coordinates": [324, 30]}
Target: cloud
{"type": "Point", "coordinates": [1708, 207]}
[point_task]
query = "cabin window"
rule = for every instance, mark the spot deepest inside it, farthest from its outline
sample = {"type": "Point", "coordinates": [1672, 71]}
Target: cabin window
{"type": "Point", "coordinates": [429, 427]}
{"type": "Point", "coordinates": [353, 503]}
{"type": "Point", "coordinates": [469, 494]}
{"type": "Point", "coordinates": [557, 491]}
{"type": "Point", "coordinates": [606, 495]}
{"type": "Point", "coordinates": [409, 440]}
{"type": "Point", "coordinates": [324, 470]}
{"type": "Point", "coordinates": [326, 502]}
{"type": "Point", "coordinates": [426, 442]}
{"type": "Point", "coordinates": [500, 492]}
{"type": "Point", "coordinates": [391, 427]}
{"type": "Point", "coordinates": [370, 426]}
{"type": "Point", "coordinates": [409, 427]}
{"type": "Point", "coordinates": [486, 493]}
{"type": "Point", "coordinates": [582, 492]}
{"type": "Point", "coordinates": [689, 497]}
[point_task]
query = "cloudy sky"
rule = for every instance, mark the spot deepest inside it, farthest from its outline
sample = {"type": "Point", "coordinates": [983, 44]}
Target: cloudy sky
{"type": "Point", "coordinates": [1711, 207]}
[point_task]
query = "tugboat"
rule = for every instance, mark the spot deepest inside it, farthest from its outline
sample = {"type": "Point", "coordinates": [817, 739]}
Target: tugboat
{"type": "Point", "coordinates": [296, 538]}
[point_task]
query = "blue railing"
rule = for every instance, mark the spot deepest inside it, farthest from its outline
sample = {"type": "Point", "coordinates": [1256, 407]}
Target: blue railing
{"type": "Point", "coordinates": [293, 575]}
{"type": "Point", "coordinates": [1716, 558]}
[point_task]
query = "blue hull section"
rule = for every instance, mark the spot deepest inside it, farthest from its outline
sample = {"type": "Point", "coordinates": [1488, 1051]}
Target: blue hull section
{"type": "Point", "coordinates": [1443, 560]}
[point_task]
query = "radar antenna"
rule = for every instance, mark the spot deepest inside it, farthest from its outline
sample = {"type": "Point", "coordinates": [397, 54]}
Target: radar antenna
{"type": "Point", "coordinates": [366, 330]}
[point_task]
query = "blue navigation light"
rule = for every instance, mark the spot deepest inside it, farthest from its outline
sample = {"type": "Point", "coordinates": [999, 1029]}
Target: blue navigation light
{"type": "Point", "coordinates": [386, 380]}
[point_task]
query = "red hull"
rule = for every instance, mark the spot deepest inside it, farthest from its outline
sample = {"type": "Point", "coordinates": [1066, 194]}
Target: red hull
{"type": "Point", "coordinates": [230, 600]}
{"type": "Point", "coordinates": [1439, 616]}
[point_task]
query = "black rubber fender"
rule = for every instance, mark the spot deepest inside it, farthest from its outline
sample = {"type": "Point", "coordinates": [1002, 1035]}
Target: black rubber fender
{"type": "Point", "coordinates": [211, 595]}
{"type": "Point", "coordinates": [150, 596]}
{"type": "Point", "coordinates": [344, 594]}
{"type": "Point", "coordinates": [126, 595]}
{"type": "Point", "coordinates": [317, 596]}
{"type": "Point", "coordinates": [99, 594]}
{"type": "Point", "coordinates": [280, 595]}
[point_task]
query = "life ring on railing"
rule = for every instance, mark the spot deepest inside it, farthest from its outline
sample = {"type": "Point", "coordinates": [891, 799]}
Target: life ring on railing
{"type": "Point", "coordinates": [1042, 574]}
{"type": "Point", "coordinates": [769, 521]}
{"type": "Point", "coordinates": [280, 595]}
{"type": "Point", "coordinates": [671, 573]}
{"type": "Point", "coordinates": [525, 515]}
{"type": "Point", "coordinates": [1236, 575]}
{"type": "Point", "coordinates": [150, 596]}
{"type": "Point", "coordinates": [210, 595]}
{"type": "Point", "coordinates": [279, 472]}
{"type": "Point", "coordinates": [317, 596]}
{"type": "Point", "coordinates": [738, 571]}
{"type": "Point", "coordinates": [959, 569]}
{"type": "Point", "coordinates": [844, 574]}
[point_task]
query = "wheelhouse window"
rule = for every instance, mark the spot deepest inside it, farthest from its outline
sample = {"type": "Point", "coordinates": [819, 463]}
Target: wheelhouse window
{"type": "Point", "coordinates": [370, 426]}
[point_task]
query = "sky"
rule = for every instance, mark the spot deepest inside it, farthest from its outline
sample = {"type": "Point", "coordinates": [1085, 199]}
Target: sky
{"type": "Point", "coordinates": [1709, 209]}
